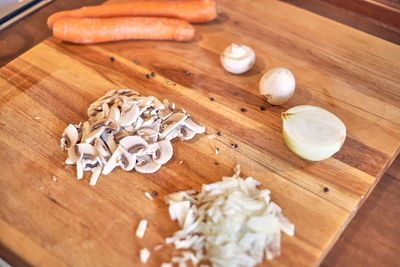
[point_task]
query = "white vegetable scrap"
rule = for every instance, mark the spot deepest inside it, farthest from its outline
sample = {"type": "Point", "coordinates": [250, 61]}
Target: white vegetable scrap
{"type": "Point", "coordinates": [147, 194]}
{"type": "Point", "coordinates": [126, 130]}
{"type": "Point", "coordinates": [158, 247]}
{"type": "Point", "coordinates": [140, 231]}
{"type": "Point", "coordinates": [229, 223]}
{"type": "Point", "coordinates": [144, 255]}
{"type": "Point", "coordinates": [211, 136]}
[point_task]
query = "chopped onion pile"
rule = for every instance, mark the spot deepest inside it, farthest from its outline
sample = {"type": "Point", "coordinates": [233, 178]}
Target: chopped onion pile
{"type": "Point", "coordinates": [230, 223]}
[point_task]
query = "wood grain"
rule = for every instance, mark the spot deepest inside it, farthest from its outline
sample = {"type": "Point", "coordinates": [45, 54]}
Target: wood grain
{"type": "Point", "coordinates": [372, 237]}
{"type": "Point", "coordinates": [350, 74]}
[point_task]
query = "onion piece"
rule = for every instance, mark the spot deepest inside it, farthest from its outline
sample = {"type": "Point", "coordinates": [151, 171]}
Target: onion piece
{"type": "Point", "coordinates": [144, 255]}
{"type": "Point", "coordinates": [141, 228]}
{"type": "Point", "coordinates": [312, 133]}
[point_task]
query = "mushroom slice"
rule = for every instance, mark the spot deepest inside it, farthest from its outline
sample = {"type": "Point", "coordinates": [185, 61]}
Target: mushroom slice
{"type": "Point", "coordinates": [148, 121]}
{"type": "Point", "coordinates": [164, 152]}
{"type": "Point", "coordinates": [192, 125]}
{"type": "Point", "coordinates": [94, 134]}
{"type": "Point", "coordinates": [98, 124]}
{"type": "Point", "coordinates": [144, 105]}
{"type": "Point", "coordinates": [148, 134]}
{"type": "Point", "coordinates": [129, 117]}
{"type": "Point", "coordinates": [114, 114]}
{"type": "Point", "coordinates": [139, 123]}
{"type": "Point", "coordinates": [113, 127]}
{"type": "Point", "coordinates": [165, 114]}
{"type": "Point", "coordinates": [173, 134]}
{"type": "Point", "coordinates": [158, 105]}
{"type": "Point", "coordinates": [85, 130]}
{"type": "Point", "coordinates": [147, 166]}
{"type": "Point", "coordinates": [133, 144]}
{"type": "Point", "coordinates": [108, 139]}
{"type": "Point", "coordinates": [156, 126]}
{"type": "Point", "coordinates": [70, 137]}
{"type": "Point", "coordinates": [121, 158]}
{"type": "Point", "coordinates": [104, 152]}
{"type": "Point", "coordinates": [105, 109]}
{"type": "Point", "coordinates": [171, 123]}
{"type": "Point", "coordinates": [127, 92]}
{"type": "Point", "coordinates": [114, 161]}
{"type": "Point", "coordinates": [186, 133]}
{"type": "Point", "coordinates": [120, 135]}
{"type": "Point", "coordinates": [96, 173]}
{"type": "Point", "coordinates": [74, 155]}
{"type": "Point", "coordinates": [87, 155]}
{"type": "Point", "coordinates": [127, 161]}
{"type": "Point", "coordinates": [151, 149]}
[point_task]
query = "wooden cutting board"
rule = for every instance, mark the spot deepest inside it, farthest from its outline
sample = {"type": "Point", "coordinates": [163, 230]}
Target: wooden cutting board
{"type": "Point", "coordinates": [68, 222]}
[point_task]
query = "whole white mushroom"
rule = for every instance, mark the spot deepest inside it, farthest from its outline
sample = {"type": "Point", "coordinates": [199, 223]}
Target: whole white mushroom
{"type": "Point", "coordinates": [237, 58]}
{"type": "Point", "coordinates": [277, 85]}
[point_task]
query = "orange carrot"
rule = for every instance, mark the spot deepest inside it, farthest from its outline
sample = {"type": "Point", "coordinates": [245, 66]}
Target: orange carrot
{"type": "Point", "coordinates": [189, 10]}
{"type": "Point", "coordinates": [88, 31]}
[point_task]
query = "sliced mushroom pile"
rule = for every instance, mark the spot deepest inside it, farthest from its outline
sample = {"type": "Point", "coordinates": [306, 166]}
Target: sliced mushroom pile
{"type": "Point", "coordinates": [127, 130]}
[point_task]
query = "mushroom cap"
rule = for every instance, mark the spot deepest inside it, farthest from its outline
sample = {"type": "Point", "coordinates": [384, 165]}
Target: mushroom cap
{"type": "Point", "coordinates": [164, 152]}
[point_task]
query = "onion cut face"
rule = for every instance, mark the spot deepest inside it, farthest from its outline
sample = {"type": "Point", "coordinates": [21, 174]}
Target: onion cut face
{"type": "Point", "coordinates": [312, 133]}
{"type": "Point", "coordinates": [228, 223]}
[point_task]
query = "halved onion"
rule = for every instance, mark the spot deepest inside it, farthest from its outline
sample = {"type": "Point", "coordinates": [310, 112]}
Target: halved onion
{"type": "Point", "coordinates": [312, 133]}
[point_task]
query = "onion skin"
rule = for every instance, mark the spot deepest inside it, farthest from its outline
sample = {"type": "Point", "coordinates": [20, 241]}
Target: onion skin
{"type": "Point", "coordinates": [309, 151]}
